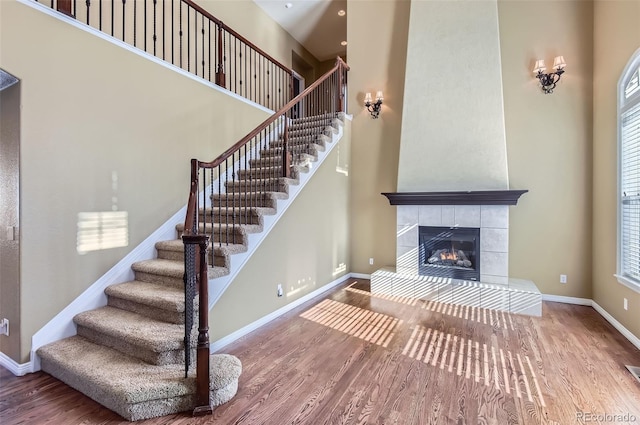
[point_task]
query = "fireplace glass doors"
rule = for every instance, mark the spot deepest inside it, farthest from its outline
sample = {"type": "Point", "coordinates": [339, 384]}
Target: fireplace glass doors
{"type": "Point", "coordinates": [449, 252]}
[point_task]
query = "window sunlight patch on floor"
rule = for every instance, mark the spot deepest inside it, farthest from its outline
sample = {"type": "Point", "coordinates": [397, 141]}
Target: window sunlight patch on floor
{"type": "Point", "coordinates": [473, 360]}
{"type": "Point", "coordinates": [373, 327]}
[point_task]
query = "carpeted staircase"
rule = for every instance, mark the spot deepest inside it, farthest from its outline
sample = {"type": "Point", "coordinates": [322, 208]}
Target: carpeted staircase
{"type": "Point", "coordinates": [129, 354]}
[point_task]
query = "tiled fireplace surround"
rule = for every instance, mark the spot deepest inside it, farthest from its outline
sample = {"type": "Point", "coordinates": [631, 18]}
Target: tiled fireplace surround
{"type": "Point", "coordinates": [493, 221]}
{"type": "Point", "coordinates": [495, 290]}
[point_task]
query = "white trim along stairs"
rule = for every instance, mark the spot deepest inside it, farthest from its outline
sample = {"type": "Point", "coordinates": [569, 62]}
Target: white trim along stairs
{"type": "Point", "coordinates": [136, 331]}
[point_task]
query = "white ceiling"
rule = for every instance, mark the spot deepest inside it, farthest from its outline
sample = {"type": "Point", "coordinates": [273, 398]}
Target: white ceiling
{"type": "Point", "coordinates": [314, 23]}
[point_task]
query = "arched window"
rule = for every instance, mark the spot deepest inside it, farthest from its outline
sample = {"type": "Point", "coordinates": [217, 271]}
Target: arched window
{"type": "Point", "coordinates": [628, 272]}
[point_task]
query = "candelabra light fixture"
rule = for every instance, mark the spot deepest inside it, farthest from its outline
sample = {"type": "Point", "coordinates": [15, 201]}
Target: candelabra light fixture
{"type": "Point", "coordinates": [373, 107]}
{"type": "Point", "coordinates": [549, 80]}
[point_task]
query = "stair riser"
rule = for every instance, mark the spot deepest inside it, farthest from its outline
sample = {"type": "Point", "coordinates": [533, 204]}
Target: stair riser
{"type": "Point", "coordinates": [160, 359]}
{"type": "Point", "coordinates": [245, 202]}
{"type": "Point", "coordinates": [146, 310]}
{"type": "Point", "coordinates": [159, 279]}
{"type": "Point", "coordinates": [293, 145]}
{"type": "Point", "coordinates": [275, 153]}
{"type": "Point", "coordinates": [225, 237]}
{"type": "Point", "coordinates": [215, 260]}
{"type": "Point", "coordinates": [259, 173]}
{"type": "Point", "coordinates": [239, 217]}
{"type": "Point", "coordinates": [241, 188]}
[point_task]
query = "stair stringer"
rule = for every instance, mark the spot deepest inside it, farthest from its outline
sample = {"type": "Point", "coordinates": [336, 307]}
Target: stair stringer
{"type": "Point", "coordinates": [219, 285]}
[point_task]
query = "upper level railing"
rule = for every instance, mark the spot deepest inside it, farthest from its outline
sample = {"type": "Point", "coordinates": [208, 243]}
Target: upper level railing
{"type": "Point", "coordinates": [226, 192]}
{"type": "Point", "coordinates": [186, 35]}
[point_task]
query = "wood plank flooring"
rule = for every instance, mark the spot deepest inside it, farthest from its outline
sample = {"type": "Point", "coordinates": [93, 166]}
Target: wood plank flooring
{"type": "Point", "coordinates": [353, 358]}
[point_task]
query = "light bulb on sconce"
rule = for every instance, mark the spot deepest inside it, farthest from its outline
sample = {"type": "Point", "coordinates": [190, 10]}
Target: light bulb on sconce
{"type": "Point", "coordinates": [548, 81]}
{"type": "Point", "coordinates": [373, 107]}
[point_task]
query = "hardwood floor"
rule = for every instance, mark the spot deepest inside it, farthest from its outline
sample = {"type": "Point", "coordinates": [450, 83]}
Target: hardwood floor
{"type": "Point", "coordinates": [352, 358]}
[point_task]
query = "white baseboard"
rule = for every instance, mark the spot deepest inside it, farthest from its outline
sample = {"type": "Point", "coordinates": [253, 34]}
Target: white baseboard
{"type": "Point", "coordinates": [567, 300]}
{"type": "Point", "coordinates": [14, 367]}
{"type": "Point", "coordinates": [624, 331]}
{"type": "Point", "coordinates": [360, 275]}
{"type": "Point", "coordinates": [223, 342]}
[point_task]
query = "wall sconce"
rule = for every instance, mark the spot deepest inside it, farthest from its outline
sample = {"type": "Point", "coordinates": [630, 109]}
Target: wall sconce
{"type": "Point", "coordinates": [373, 108]}
{"type": "Point", "coordinates": [548, 81]}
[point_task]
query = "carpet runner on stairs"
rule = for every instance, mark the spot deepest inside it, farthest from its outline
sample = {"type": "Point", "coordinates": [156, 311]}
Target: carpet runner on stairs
{"type": "Point", "coordinates": [129, 355]}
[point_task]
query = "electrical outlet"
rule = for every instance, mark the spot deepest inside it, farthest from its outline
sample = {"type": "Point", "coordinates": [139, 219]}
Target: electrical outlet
{"type": "Point", "coordinates": [626, 304]}
{"type": "Point", "coordinates": [280, 293]}
{"type": "Point", "coordinates": [563, 278]}
{"type": "Point", "coordinates": [371, 261]}
{"type": "Point", "coordinates": [4, 327]}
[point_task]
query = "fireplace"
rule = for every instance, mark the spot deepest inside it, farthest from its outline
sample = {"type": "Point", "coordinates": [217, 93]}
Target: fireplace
{"type": "Point", "coordinates": [452, 252]}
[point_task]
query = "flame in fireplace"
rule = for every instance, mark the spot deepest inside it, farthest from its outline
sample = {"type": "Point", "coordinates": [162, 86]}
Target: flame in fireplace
{"type": "Point", "coordinates": [449, 255]}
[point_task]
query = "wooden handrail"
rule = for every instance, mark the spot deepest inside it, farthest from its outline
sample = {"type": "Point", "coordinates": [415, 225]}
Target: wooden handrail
{"type": "Point", "coordinates": [206, 227]}
{"type": "Point", "coordinates": [226, 154]}
{"type": "Point", "coordinates": [236, 35]}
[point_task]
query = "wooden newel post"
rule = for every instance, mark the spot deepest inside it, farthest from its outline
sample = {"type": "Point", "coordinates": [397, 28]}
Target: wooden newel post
{"type": "Point", "coordinates": [340, 88]}
{"type": "Point", "coordinates": [220, 77]}
{"type": "Point", "coordinates": [203, 404]}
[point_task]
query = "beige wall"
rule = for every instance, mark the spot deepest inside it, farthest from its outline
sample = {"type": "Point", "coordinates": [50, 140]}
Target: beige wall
{"type": "Point", "coordinates": [307, 248]}
{"type": "Point", "coordinates": [377, 35]}
{"type": "Point", "coordinates": [83, 119]}
{"type": "Point", "coordinates": [250, 21]}
{"type": "Point", "coordinates": [616, 38]}
{"type": "Point", "coordinates": [548, 137]}
{"type": "Point", "coordinates": [453, 120]}
{"type": "Point", "coordinates": [549, 143]}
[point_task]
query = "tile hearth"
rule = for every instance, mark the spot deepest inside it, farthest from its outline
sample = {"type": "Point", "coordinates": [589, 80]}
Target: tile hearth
{"type": "Point", "coordinates": [495, 289]}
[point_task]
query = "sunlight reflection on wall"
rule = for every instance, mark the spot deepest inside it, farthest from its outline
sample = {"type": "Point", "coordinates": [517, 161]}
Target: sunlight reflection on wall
{"type": "Point", "coordinates": [102, 230]}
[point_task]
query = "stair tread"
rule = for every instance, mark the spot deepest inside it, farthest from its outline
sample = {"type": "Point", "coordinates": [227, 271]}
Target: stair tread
{"type": "Point", "coordinates": [159, 266]}
{"type": "Point", "coordinates": [133, 328]}
{"type": "Point", "coordinates": [163, 297]}
{"type": "Point", "coordinates": [119, 379]}
{"type": "Point", "coordinates": [173, 268]}
{"type": "Point", "coordinates": [178, 245]}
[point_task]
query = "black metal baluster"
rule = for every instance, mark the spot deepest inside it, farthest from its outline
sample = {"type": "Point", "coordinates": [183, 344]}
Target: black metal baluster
{"type": "Point", "coordinates": [188, 39]}
{"type": "Point", "coordinates": [180, 33]}
{"type": "Point", "coordinates": [124, 15]}
{"type": "Point", "coordinates": [113, 10]}
{"type": "Point", "coordinates": [203, 62]}
{"type": "Point", "coordinates": [145, 24]}
{"type": "Point", "coordinates": [195, 41]}
{"type": "Point", "coordinates": [240, 61]}
{"type": "Point", "coordinates": [173, 38]}
{"type": "Point", "coordinates": [214, 37]}
{"type": "Point", "coordinates": [245, 72]}
{"type": "Point", "coordinates": [99, 14]}
{"type": "Point", "coordinates": [164, 31]}
{"type": "Point", "coordinates": [88, 3]}
{"type": "Point", "coordinates": [235, 65]}
{"type": "Point", "coordinates": [135, 22]}
{"type": "Point", "coordinates": [268, 85]}
{"type": "Point", "coordinates": [155, 37]}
